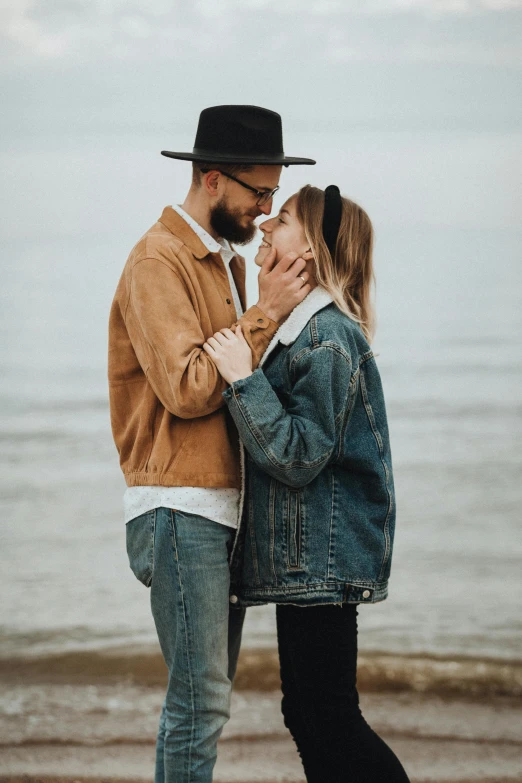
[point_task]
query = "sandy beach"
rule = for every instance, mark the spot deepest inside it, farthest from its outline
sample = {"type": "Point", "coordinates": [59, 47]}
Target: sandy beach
{"type": "Point", "coordinates": [455, 742]}
{"type": "Point", "coordinates": [63, 727]}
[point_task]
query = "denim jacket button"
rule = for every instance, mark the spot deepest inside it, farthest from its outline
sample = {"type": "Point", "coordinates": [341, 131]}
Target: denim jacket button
{"type": "Point", "coordinates": [234, 599]}
{"type": "Point", "coordinates": [366, 594]}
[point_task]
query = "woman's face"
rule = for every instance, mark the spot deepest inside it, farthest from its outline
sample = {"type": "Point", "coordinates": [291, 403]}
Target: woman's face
{"type": "Point", "coordinates": [283, 232]}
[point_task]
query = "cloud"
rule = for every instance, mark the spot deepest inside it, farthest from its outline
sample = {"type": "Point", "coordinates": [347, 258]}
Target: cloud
{"type": "Point", "coordinates": [108, 66]}
{"type": "Point", "coordinates": [75, 31]}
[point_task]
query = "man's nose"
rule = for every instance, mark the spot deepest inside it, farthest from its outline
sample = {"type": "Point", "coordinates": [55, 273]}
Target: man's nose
{"type": "Point", "coordinates": [266, 208]}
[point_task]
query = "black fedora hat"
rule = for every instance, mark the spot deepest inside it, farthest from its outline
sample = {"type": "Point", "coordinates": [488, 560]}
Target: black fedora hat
{"type": "Point", "coordinates": [239, 134]}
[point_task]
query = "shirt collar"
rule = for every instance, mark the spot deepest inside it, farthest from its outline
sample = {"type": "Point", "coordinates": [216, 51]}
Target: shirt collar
{"type": "Point", "coordinates": [221, 246]}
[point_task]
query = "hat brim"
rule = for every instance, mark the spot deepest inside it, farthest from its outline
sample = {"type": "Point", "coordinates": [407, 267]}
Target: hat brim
{"type": "Point", "coordinates": [254, 160]}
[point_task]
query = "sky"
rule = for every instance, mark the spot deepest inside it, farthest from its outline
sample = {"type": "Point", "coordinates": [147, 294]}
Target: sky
{"type": "Point", "coordinates": [426, 93]}
{"type": "Point", "coordinates": [116, 66]}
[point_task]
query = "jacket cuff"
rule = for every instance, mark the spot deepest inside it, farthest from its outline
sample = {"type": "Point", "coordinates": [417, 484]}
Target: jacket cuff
{"type": "Point", "coordinates": [255, 387]}
{"type": "Point", "coordinates": [258, 320]}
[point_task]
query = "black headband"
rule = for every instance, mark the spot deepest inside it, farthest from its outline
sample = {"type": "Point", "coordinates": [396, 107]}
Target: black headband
{"type": "Point", "coordinates": [333, 208]}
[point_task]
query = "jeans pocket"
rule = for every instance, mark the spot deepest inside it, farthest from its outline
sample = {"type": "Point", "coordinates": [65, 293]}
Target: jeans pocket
{"type": "Point", "coordinates": [140, 546]}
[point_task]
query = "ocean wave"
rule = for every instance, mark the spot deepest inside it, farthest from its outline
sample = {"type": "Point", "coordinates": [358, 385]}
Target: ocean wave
{"type": "Point", "coordinates": [258, 669]}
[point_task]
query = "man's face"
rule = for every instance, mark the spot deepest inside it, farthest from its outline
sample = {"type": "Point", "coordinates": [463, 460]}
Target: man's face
{"type": "Point", "coordinates": [233, 214]}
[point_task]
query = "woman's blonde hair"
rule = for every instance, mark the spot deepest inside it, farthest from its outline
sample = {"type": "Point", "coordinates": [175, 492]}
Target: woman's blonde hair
{"type": "Point", "coordinates": [349, 276]}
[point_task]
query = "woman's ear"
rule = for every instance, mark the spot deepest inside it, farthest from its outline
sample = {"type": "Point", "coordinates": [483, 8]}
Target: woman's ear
{"type": "Point", "coordinates": [307, 255]}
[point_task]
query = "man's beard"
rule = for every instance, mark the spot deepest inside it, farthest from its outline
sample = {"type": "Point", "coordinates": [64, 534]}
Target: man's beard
{"type": "Point", "coordinates": [226, 223]}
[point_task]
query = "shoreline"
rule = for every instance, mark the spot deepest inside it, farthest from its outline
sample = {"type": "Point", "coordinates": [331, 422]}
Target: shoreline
{"type": "Point", "coordinates": [278, 779]}
{"type": "Point", "coordinates": [454, 676]}
{"type": "Point", "coordinates": [94, 733]}
{"type": "Point", "coordinates": [91, 717]}
{"type": "Point", "coordinates": [103, 779]}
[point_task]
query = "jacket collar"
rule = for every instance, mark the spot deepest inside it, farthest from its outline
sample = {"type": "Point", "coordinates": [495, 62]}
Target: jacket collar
{"type": "Point", "coordinates": [180, 228]}
{"type": "Point", "coordinates": [223, 247]}
{"type": "Point", "coordinates": [290, 330]}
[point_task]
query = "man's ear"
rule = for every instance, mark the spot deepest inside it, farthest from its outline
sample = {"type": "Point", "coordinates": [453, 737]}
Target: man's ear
{"type": "Point", "coordinates": [210, 182]}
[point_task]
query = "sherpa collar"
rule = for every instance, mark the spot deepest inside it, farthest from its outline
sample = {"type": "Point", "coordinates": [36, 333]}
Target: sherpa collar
{"type": "Point", "coordinates": [290, 330]}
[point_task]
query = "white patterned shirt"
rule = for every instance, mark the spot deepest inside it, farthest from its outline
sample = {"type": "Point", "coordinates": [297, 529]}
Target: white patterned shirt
{"type": "Point", "coordinates": [218, 504]}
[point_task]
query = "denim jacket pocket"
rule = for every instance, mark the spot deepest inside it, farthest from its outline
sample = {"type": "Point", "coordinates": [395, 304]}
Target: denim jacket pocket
{"type": "Point", "coordinates": [294, 530]}
{"type": "Point", "coordinates": [140, 546]}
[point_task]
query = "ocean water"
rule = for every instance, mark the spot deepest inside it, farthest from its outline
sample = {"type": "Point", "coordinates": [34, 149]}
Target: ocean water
{"type": "Point", "coordinates": [449, 342]}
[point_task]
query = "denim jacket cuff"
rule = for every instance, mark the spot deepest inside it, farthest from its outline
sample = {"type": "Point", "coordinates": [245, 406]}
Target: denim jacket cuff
{"type": "Point", "coordinates": [255, 382]}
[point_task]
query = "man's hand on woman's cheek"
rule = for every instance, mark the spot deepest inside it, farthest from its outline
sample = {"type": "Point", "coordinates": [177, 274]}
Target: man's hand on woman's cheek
{"type": "Point", "coordinates": [282, 285]}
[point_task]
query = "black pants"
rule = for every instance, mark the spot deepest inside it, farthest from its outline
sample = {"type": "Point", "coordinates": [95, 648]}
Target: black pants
{"type": "Point", "coordinates": [318, 656]}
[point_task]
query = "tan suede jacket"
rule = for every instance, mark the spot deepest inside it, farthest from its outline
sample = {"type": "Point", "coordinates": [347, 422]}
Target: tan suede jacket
{"type": "Point", "coordinates": [169, 421]}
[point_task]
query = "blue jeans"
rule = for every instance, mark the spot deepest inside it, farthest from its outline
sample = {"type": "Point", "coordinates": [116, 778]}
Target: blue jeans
{"type": "Point", "coordinates": [184, 559]}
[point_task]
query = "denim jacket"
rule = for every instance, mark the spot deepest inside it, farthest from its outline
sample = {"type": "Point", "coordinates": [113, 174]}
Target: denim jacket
{"type": "Point", "coordinates": [319, 510]}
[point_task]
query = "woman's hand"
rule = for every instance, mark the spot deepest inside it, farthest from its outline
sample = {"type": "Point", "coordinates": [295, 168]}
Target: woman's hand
{"type": "Point", "coordinates": [231, 354]}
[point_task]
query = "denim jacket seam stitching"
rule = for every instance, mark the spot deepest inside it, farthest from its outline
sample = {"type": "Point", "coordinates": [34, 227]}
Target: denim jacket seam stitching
{"type": "Point", "coordinates": [376, 585]}
{"type": "Point", "coordinates": [331, 536]}
{"type": "Point", "coordinates": [313, 330]}
{"type": "Point", "coordinates": [268, 453]}
{"type": "Point", "coordinates": [338, 349]}
{"type": "Point", "coordinates": [271, 521]}
{"type": "Point", "coordinates": [366, 357]}
{"type": "Point", "coordinates": [348, 411]}
{"type": "Point", "coordinates": [308, 349]}
{"type": "Point", "coordinates": [386, 531]}
{"type": "Point", "coordinates": [369, 413]}
{"type": "Point", "coordinates": [292, 532]}
{"type": "Point", "coordinates": [334, 347]}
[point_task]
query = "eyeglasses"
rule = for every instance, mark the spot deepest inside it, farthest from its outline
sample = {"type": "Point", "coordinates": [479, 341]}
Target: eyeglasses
{"type": "Point", "coordinates": [263, 196]}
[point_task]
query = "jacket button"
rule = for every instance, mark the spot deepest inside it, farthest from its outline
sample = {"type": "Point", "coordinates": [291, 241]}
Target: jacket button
{"type": "Point", "coordinates": [228, 301]}
{"type": "Point", "coordinates": [234, 599]}
{"type": "Point", "coordinates": [259, 320]}
{"type": "Point", "coordinates": [366, 594]}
